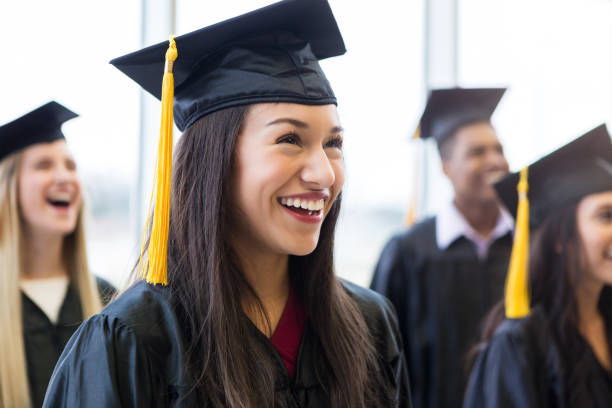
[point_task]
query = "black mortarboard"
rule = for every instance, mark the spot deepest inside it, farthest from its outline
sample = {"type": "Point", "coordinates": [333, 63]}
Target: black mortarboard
{"type": "Point", "coordinates": [449, 109]}
{"type": "Point", "coordinates": [580, 168]}
{"type": "Point", "coordinates": [42, 125]}
{"type": "Point", "coordinates": [268, 55]}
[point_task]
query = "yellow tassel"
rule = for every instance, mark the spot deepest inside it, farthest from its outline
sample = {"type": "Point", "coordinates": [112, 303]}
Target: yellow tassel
{"type": "Point", "coordinates": [517, 294]}
{"type": "Point", "coordinates": [154, 266]}
{"type": "Point", "coordinates": [410, 217]}
{"type": "Point", "coordinates": [417, 132]}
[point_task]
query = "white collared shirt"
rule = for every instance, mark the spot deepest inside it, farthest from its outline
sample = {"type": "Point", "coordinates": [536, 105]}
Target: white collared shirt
{"type": "Point", "coordinates": [451, 224]}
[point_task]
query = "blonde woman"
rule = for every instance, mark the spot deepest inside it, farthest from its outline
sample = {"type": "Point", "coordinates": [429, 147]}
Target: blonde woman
{"type": "Point", "coordinates": [46, 289]}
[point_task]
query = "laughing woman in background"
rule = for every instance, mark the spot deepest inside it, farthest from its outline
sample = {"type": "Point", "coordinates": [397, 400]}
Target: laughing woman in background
{"type": "Point", "coordinates": [46, 289]}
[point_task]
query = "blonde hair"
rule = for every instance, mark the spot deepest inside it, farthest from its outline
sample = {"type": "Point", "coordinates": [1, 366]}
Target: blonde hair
{"type": "Point", "coordinates": [14, 388]}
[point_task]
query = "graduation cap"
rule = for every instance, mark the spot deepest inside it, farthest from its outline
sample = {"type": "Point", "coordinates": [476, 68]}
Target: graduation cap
{"type": "Point", "coordinates": [268, 55]}
{"type": "Point", "coordinates": [42, 125]}
{"type": "Point", "coordinates": [449, 109]}
{"type": "Point", "coordinates": [580, 168]}
{"type": "Point", "coordinates": [445, 112]}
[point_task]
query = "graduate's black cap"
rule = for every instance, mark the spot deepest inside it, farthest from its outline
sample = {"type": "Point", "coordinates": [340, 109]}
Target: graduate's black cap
{"type": "Point", "coordinates": [268, 55]}
{"type": "Point", "coordinates": [580, 168]}
{"type": "Point", "coordinates": [42, 125]}
{"type": "Point", "coordinates": [449, 109]}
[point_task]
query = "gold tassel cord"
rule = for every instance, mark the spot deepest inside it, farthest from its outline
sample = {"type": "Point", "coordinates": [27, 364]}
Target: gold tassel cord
{"type": "Point", "coordinates": [153, 265]}
{"type": "Point", "coordinates": [517, 293]}
{"type": "Point", "coordinates": [417, 132]}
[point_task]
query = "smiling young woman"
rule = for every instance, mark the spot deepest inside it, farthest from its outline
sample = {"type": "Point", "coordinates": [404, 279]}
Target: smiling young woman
{"type": "Point", "coordinates": [46, 285]}
{"type": "Point", "coordinates": [559, 353]}
{"type": "Point", "coordinates": [252, 314]}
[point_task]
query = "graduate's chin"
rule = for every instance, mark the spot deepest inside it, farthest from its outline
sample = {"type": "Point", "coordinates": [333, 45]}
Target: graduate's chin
{"type": "Point", "coordinates": [302, 248]}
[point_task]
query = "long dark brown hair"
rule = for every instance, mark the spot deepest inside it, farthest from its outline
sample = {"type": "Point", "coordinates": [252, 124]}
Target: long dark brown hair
{"type": "Point", "coordinates": [555, 266]}
{"type": "Point", "coordinates": [206, 286]}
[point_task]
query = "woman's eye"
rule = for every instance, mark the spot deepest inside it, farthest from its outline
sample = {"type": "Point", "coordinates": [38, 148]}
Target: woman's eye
{"type": "Point", "coordinates": [43, 165]}
{"type": "Point", "coordinates": [336, 142]}
{"type": "Point", "coordinates": [290, 138]}
{"type": "Point", "coordinates": [605, 215]}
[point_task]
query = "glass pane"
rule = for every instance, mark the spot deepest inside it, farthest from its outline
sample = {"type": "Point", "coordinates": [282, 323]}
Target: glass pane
{"type": "Point", "coordinates": [556, 58]}
{"type": "Point", "coordinates": [61, 51]}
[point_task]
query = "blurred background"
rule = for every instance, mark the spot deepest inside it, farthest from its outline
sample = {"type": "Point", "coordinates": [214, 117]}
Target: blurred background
{"type": "Point", "coordinates": [554, 56]}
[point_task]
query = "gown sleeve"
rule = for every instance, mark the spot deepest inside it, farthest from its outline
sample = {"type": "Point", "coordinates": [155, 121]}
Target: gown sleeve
{"type": "Point", "coordinates": [507, 374]}
{"type": "Point", "coordinates": [103, 365]}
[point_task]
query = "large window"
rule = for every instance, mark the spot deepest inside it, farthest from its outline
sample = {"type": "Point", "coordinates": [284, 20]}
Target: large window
{"type": "Point", "coordinates": [556, 59]}
{"type": "Point", "coordinates": [60, 50]}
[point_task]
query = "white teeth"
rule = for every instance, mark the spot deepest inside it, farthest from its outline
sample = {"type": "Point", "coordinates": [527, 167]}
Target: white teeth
{"type": "Point", "coordinates": [60, 197]}
{"type": "Point", "coordinates": [310, 205]}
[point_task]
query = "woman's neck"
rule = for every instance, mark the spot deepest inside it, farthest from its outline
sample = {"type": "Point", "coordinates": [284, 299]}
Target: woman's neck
{"type": "Point", "coordinates": [42, 256]}
{"type": "Point", "coordinates": [268, 275]}
{"type": "Point", "coordinates": [587, 299]}
{"type": "Point", "coordinates": [591, 324]}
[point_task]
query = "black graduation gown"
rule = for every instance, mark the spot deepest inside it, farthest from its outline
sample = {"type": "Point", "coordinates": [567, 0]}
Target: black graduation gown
{"type": "Point", "coordinates": [45, 341]}
{"type": "Point", "coordinates": [440, 296]}
{"type": "Point", "coordinates": [522, 366]}
{"type": "Point", "coordinates": [132, 355]}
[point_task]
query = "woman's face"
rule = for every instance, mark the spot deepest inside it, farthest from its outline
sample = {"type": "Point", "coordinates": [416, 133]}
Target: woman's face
{"type": "Point", "coordinates": [594, 221]}
{"type": "Point", "coordinates": [49, 188]}
{"type": "Point", "coordinates": [288, 171]}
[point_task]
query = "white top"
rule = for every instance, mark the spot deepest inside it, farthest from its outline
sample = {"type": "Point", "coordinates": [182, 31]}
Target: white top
{"type": "Point", "coordinates": [47, 293]}
{"type": "Point", "coordinates": [451, 224]}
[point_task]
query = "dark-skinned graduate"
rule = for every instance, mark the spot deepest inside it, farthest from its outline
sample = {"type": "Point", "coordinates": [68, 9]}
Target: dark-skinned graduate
{"type": "Point", "coordinates": [445, 273]}
{"type": "Point", "coordinates": [549, 344]}
{"type": "Point", "coordinates": [241, 306]}
{"type": "Point", "coordinates": [47, 287]}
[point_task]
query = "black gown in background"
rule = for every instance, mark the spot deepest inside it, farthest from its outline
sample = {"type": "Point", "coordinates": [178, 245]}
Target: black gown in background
{"type": "Point", "coordinates": [45, 341]}
{"type": "Point", "coordinates": [522, 366]}
{"type": "Point", "coordinates": [441, 296]}
{"type": "Point", "coordinates": [132, 354]}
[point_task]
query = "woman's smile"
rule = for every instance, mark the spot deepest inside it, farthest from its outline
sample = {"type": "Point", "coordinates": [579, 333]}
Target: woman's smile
{"type": "Point", "coordinates": [307, 207]}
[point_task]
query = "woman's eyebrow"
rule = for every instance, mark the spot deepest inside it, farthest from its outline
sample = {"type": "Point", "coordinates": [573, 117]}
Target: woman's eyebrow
{"type": "Point", "coordinates": [294, 122]}
{"type": "Point", "coordinates": [302, 125]}
{"type": "Point", "coordinates": [603, 207]}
